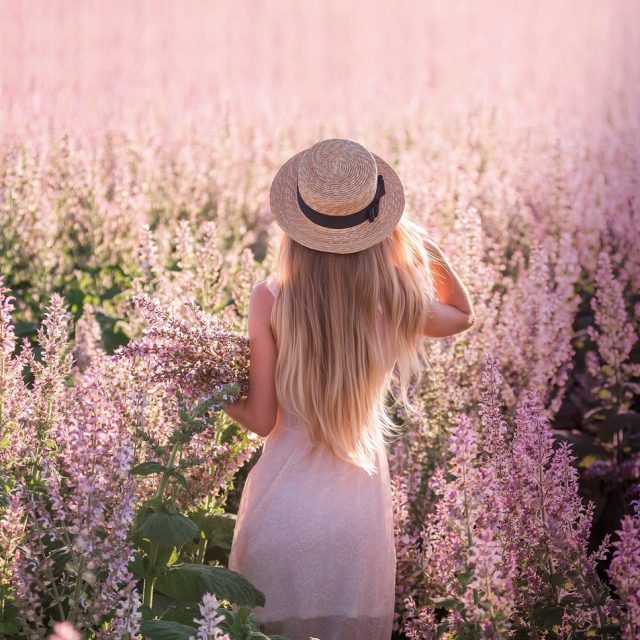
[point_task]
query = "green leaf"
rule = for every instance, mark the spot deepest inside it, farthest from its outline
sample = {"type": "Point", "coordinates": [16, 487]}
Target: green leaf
{"type": "Point", "coordinates": [588, 460]}
{"type": "Point", "coordinates": [166, 608]}
{"type": "Point", "coordinates": [446, 602]}
{"type": "Point", "coordinates": [136, 566]}
{"type": "Point", "coordinates": [626, 423]}
{"type": "Point", "coordinates": [171, 529]}
{"type": "Point", "coordinates": [582, 445]}
{"type": "Point", "coordinates": [443, 627]}
{"type": "Point", "coordinates": [187, 583]}
{"type": "Point", "coordinates": [181, 480]}
{"type": "Point", "coordinates": [10, 624]}
{"type": "Point", "coordinates": [23, 328]}
{"type": "Point", "coordinates": [146, 612]}
{"type": "Point", "coordinates": [546, 617]}
{"type": "Point", "coordinates": [610, 629]}
{"type": "Point", "coordinates": [9, 627]}
{"type": "Point", "coordinates": [465, 577]}
{"type": "Point", "coordinates": [217, 528]}
{"type": "Point", "coordinates": [166, 630]}
{"type": "Point", "coordinates": [236, 623]}
{"type": "Point", "coordinates": [557, 579]}
{"type": "Point", "coordinates": [147, 468]}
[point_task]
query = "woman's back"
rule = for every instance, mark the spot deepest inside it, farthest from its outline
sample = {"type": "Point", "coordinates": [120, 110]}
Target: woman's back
{"type": "Point", "coordinates": [315, 534]}
{"type": "Point", "coordinates": [273, 286]}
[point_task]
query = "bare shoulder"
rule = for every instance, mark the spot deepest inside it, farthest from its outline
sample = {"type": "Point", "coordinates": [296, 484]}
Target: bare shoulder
{"type": "Point", "coordinates": [261, 302]}
{"type": "Point", "coordinates": [261, 292]}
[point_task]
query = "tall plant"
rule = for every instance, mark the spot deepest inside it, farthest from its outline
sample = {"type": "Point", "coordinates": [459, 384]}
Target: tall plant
{"type": "Point", "coordinates": [505, 549]}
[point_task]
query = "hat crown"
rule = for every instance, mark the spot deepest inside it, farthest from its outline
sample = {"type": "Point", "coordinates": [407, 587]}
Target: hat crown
{"type": "Point", "coordinates": [337, 177]}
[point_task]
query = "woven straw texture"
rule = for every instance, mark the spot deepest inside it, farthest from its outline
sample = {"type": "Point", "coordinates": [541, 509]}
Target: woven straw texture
{"type": "Point", "coordinates": [336, 177]}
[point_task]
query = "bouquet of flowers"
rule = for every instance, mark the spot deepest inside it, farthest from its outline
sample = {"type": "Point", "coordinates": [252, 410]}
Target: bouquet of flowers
{"type": "Point", "coordinates": [195, 353]}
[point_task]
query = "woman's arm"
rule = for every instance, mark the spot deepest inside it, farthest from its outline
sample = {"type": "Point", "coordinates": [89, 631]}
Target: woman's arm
{"type": "Point", "coordinates": [453, 311]}
{"type": "Point", "coordinates": [258, 411]}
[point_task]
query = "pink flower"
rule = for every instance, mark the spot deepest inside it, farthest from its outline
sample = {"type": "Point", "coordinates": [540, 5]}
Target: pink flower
{"type": "Point", "coordinates": [624, 570]}
{"type": "Point", "coordinates": [208, 625]}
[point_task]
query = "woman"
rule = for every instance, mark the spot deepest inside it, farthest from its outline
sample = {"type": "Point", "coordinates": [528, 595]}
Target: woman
{"type": "Point", "coordinates": [354, 296]}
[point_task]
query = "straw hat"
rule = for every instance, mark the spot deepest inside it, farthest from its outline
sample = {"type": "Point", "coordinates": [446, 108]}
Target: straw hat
{"type": "Point", "coordinates": [336, 196]}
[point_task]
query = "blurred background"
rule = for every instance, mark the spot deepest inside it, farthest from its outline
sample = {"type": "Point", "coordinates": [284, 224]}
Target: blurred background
{"type": "Point", "coordinates": [83, 64]}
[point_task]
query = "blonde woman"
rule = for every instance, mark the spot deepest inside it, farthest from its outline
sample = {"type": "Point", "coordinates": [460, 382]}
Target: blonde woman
{"type": "Point", "coordinates": [358, 287]}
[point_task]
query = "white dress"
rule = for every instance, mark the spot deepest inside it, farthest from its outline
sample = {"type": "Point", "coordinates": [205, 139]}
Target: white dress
{"type": "Point", "coordinates": [315, 535]}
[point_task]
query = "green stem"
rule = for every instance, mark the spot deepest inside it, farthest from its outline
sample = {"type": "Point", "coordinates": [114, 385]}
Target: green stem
{"type": "Point", "coordinates": [165, 475]}
{"type": "Point", "coordinates": [543, 517]}
{"type": "Point", "coordinates": [1, 398]}
{"type": "Point", "coordinates": [601, 616]}
{"type": "Point", "coordinates": [77, 591]}
{"type": "Point", "coordinates": [617, 439]}
{"type": "Point", "coordinates": [4, 594]}
{"type": "Point", "coordinates": [79, 579]}
{"type": "Point", "coordinates": [476, 595]}
{"type": "Point", "coordinates": [150, 581]}
{"type": "Point", "coordinates": [56, 593]}
{"type": "Point", "coordinates": [202, 549]}
{"type": "Point", "coordinates": [147, 591]}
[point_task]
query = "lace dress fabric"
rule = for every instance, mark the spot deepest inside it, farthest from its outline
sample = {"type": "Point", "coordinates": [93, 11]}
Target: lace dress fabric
{"type": "Point", "coordinates": [315, 535]}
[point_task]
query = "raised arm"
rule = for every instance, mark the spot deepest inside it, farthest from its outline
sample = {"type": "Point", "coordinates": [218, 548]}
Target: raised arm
{"type": "Point", "coordinates": [453, 311]}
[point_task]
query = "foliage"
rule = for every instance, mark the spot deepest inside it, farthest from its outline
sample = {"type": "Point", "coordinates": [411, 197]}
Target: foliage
{"type": "Point", "coordinates": [78, 537]}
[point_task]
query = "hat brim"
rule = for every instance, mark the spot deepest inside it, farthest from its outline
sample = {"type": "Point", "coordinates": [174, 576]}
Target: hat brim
{"type": "Point", "coordinates": [289, 216]}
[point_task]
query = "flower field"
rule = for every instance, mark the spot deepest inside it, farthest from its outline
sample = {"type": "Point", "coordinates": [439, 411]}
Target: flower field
{"type": "Point", "coordinates": [139, 140]}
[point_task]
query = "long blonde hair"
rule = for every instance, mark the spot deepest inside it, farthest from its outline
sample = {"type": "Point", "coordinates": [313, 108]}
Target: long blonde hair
{"type": "Point", "coordinates": [334, 369]}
